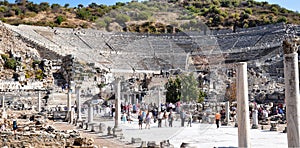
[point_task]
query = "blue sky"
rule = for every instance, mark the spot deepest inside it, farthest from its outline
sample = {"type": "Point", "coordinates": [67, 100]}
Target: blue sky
{"type": "Point", "coordinates": [289, 4]}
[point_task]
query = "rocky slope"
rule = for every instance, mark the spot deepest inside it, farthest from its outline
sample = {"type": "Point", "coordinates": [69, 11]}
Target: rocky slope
{"type": "Point", "coordinates": [19, 60]}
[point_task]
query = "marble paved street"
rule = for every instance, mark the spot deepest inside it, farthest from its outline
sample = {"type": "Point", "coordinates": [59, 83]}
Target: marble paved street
{"type": "Point", "coordinates": [203, 135]}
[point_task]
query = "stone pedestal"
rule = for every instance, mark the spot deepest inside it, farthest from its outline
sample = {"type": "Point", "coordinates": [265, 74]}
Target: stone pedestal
{"type": "Point", "coordinates": [92, 125]}
{"type": "Point", "coordinates": [143, 144]}
{"type": "Point", "coordinates": [136, 140]}
{"type": "Point", "coordinates": [166, 144]}
{"type": "Point", "coordinates": [109, 131]}
{"type": "Point", "coordinates": [243, 106]}
{"type": "Point", "coordinates": [255, 119]}
{"type": "Point", "coordinates": [101, 127]}
{"type": "Point", "coordinates": [285, 130]}
{"type": "Point", "coordinates": [273, 126]}
{"type": "Point", "coordinates": [117, 132]}
{"type": "Point", "coordinates": [86, 125]}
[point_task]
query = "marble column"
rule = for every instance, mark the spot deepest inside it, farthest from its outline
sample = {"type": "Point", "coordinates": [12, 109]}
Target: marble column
{"type": "Point", "coordinates": [116, 130]}
{"type": "Point", "coordinates": [90, 113]}
{"type": "Point", "coordinates": [53, 95]}
{"type": "Point", "coordinates": [4, 114]}
{"type": "Point", "coordinates": [291, 80]}
{"type": "Point", "coordinates": [159, 100]}
{"type": "Point", "coordinates": [243, 106]}
{"type": "Point", "coordinates": [227, 109]}
{"type": "Point", "coordinates": [69, 102]}
{"type": "Point", "coordinates": [117, 103]}
{"type": "Point", "coordinates": [39, 101]}
{"type": "Point", "coordinates": [78, 101]}
{"type": "Point", "coordinates": [69, 105]}
{"type": "Point", "coordinates": [3, 102]}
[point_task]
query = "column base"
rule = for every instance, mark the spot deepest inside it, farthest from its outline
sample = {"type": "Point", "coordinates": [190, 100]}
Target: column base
{"type": "Point", "coordinates": [236, 125]}
{"type": "Point", "coordinates": [273, 129]}
{"type": "Point", "coordinates": [117, 132]}
{"type": "Point", "coordinates": [254, 126]}
{"type": "Point", "coordinates": [285, 130]}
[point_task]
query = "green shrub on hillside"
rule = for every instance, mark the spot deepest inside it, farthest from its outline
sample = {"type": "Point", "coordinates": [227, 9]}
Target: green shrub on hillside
{"type": "Point", "coordinates": [10, 63]}
{"type": "Point", "coordinates": [39, 74]}
{"type": "Point", "coordinates": [59, 19]}
{"type": "Point", "coordinates": [122, 18]}
{"type": "Point", "coordinates": [4, 57]}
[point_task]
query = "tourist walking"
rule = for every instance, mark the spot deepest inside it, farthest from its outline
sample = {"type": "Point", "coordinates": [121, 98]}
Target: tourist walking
{"type": "Point", "coordinates": [182, 117]}
{"type": "Point", "coordinates": [171, 118]}
{"type": "Point", "coordinates": [218, 117]}
{"type": "Point", "coordinates": [190, 119]}
{"type": "Point", "coordinates": [140, 118]}
{"type": "Point", "coordinates": [159, 118]}
{"type": "Point", "coordinates": [129, 117]}
{"type": "Point", "coordinates": [165, 117]}
{"type": "Point", "coordinates": [15, 125]}
{"type": "Point", "coordinates": [124, 117]}
{"type": "Point", "coordinates": [148, 119]}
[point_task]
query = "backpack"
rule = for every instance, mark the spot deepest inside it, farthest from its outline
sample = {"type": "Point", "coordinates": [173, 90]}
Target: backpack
{"type": "Point", "coordinates": [140, 118]}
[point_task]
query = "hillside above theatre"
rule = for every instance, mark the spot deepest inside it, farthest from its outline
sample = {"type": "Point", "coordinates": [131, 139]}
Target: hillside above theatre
{"type": "Point", "coordinates": [150, 16]}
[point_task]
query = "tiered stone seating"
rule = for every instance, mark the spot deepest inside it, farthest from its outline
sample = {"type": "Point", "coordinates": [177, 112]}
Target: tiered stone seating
{"type": "Point", "coordinates": [246, 41]}
{"type": "Point", "coordinates": [154, 51]}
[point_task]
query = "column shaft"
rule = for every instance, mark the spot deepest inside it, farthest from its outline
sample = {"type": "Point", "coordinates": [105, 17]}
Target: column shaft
{"type": "Point", "coordinates": [69, 100]}
{"type": "Point", "coordinates": [78, 100]}
{"type": "Point", "coordinates": [90, 114]}
{"type": "Point", "coordinates": [227, 112]}
{"type": "Point", "coordinates": [291, 79]}
{"type": "Point", "coordinates": [243, 106]}
{"type": "Point", "coordinates": [39, 101]}
{"type": "Point", "coordinates": [3, 101]}
{"type": "Point", "coordinates": [159, 100]}
{"type": "Point", "coordinates": [117, 103]}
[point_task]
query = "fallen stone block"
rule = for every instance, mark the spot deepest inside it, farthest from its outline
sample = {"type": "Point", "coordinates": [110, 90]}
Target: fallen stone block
{"type": "Point", "coordinates": [152, 144]}
{"type": "Point", "coordinates": [143, 144]}
{"type": "Point", "coordinates": [166, 144]}
{"type": "Point", "coordinates": [136, 140]}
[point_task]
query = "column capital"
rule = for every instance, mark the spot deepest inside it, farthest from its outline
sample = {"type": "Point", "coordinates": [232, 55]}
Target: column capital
{"type": "Point", "coordinates": [291, 45]}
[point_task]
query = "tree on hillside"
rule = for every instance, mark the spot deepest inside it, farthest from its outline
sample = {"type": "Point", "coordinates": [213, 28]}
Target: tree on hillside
{"type": "Point", "coordinates": [80, 6]}
{"type": "Point", "coordinates": [66, 5]}
{"type": "Point", "coordinates": [59, 19]}
{"type": "Point", "coordinates": [122, 19]}
{"type": "Point", "coordinates": [55, 8]}
{"type": "Point", "coordinates": [44, 6]}
{"type": "Point", "coordinates": [21, 2]}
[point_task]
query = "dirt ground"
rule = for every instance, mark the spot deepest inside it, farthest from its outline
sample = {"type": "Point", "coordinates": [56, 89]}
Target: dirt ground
{"type": "Point", "coordinates": [101, 142]}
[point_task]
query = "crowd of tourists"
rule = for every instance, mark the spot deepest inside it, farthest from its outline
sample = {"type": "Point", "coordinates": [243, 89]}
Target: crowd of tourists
{"type": "Point", "coordinates": [150, 114]}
